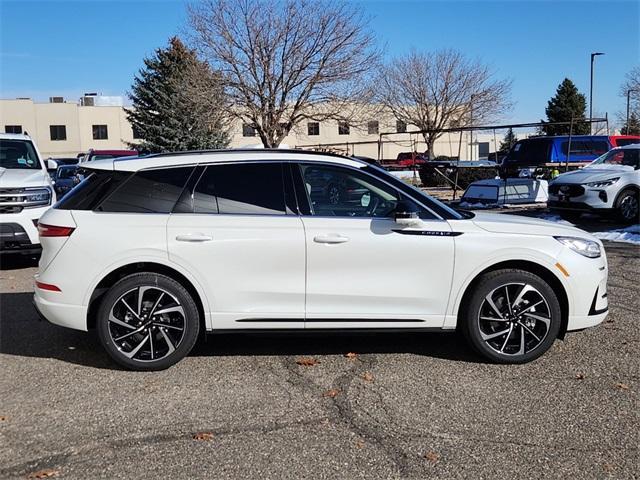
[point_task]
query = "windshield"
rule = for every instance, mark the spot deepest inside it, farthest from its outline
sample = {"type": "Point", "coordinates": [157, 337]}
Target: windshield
{"type": "Point", "coordinates": [18, 154]}
{"type": "Point", "coordinates": [620, 157]}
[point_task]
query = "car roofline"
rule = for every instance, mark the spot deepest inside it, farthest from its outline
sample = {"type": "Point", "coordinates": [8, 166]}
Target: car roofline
{"type": "Point", "coordinates": [201, 157]}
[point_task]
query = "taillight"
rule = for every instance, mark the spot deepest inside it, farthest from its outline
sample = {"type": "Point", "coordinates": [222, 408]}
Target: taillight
{"type": "Point", "coordinates": [45, 230]}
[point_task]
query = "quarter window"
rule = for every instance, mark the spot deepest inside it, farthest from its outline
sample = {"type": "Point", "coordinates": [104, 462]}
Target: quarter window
{"type": "Point", "coordinates": [340, 192]}
{"type": "Point", "coordinates": [58, 132]}
{"type": "Point", "coordinates": [100, 132]}
{"type": "Point", "coordinates": [240, 189]}
{"type": "Point", "coordinates": [148, 191]}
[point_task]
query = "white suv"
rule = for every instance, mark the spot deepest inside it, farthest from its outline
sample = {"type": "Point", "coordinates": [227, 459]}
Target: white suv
{"type": "Point", "coordinates": [150, 251]}
{"type": "Point", "coordinates": [611, 183]}
{"type": "Point", "coordinates": [26, 192]}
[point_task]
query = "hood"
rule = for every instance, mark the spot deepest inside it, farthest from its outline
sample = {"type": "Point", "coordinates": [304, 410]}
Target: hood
{"type": "Point", "coordinates": [506, 223]}
{"type": "Point", "coordinates": [592, 174]}
{"type": "Point", "coordinates": [23, 178]}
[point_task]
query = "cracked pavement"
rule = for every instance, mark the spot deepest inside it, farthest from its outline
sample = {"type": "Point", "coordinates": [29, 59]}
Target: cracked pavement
{"type": "Point", "coordinates": [432, 408]}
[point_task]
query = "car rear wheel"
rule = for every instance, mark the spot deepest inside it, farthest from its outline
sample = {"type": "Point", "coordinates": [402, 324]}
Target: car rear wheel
{"type": "Point", "coordinates": [627, 206]}
{"type": "Point", "coordinates": [147, 321]}
{"type": "Point", "coordinates": [512, 316]}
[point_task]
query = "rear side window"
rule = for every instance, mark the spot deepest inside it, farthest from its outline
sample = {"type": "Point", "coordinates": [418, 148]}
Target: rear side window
{"type": "Point", "coordinates": [532, 151]}
{"type": "Point", "coordinates": [238, 189]}
{"type": "Point", "coordinates": [95, 187]}
{"type": "Point", "coordinates": [148, 191]}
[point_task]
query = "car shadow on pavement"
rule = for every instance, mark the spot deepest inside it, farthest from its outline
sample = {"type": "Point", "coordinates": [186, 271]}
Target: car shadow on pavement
{"type": "Point", "coordinates": [23, 334]}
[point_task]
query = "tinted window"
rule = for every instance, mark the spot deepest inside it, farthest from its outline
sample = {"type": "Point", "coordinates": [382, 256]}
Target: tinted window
{"type": "Point", "coordinates": [244, 188]}
{"type": "Point", "coordinates": [585, 147]}
{"type": "Point", "coordinates": [531, 152]}
{"type": "Point", "coordinates": [341, 192]}
{"type": "Point", "coordinates": [95, 187]}
{"type": "Point", "coordinates": [100, 132]}
{"type": "Point", "coordinates": [13, 129]}
{"type": "Point", "coordinates": [148, 191]}
{"type": "Point", "coordinates": [627, 141]}
{"type": "Point", "coordinates": [58, 132]}
{"type": "Point", "coordinates": [313, 128]}
{"type": "Point", "coordinates": [627, 157]}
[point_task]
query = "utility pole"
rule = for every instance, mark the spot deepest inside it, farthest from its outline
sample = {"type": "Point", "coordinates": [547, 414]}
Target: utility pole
{"type": "Point", "coordinates": [593, 55]}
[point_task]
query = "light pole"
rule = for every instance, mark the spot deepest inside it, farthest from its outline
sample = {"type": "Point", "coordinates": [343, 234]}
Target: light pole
{"type": "Point", "coordinates": [628, 97]}
{"type": "Point", "coordinates": [471, 124]}
{"type": "Point", "coordinates": [593, 55]}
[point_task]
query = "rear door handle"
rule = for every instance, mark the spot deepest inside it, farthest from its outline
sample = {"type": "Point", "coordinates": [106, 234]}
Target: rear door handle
{"type": "Point", "coordinates": [194, 237]}
{"type": "Point", "coordinates": [332, 238]}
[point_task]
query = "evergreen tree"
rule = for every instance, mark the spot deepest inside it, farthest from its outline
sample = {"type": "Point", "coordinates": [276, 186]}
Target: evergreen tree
{"type": "Point", "coordinates": [508, 141]}
{"type": "Point", "coordinates": [633, 127]}
{"type": "Point", "coordinates": [178, 103]}
{"type": "Point", "coordinates": [568, 102]}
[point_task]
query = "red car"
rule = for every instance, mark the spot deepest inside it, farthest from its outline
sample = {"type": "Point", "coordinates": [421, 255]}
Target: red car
{"type": "Point", "coordinates": [622, 140]}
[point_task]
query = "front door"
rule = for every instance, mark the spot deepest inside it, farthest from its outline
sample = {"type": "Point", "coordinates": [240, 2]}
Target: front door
{"type": "Point", "coordinates": [363, 268]}
{"type": "Point", "coordinates": [232, 230]}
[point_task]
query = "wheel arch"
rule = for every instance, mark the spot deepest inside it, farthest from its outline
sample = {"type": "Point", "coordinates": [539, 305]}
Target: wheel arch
{"type": "Point", "coordinates": [630, 186]}
{"type": "Point", "coordinates": [528, 266]}
{"type": "Point", "coordinates": [146, 266]}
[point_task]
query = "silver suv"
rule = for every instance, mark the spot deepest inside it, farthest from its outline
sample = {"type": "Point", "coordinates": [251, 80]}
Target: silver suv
{"type": "Point", "coordinates": [608, 184]}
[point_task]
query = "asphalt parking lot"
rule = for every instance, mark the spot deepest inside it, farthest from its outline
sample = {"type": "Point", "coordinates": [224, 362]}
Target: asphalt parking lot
{"type": "Point", "coordinates": [406, 405]}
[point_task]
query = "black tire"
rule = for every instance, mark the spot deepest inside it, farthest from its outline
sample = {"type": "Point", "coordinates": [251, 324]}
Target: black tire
{"type": "Point", "coordinates": [537, 340]}
{"type": "Point", "coordinates": [174, 332]}
{"type": "Point", "coordinates": [627, 207]}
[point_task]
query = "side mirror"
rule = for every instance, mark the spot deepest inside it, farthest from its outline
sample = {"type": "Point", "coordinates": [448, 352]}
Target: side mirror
{"type": "Point", "coordinates": [52, 164]}
{"type": "Point", "coordinates": [405, 215]}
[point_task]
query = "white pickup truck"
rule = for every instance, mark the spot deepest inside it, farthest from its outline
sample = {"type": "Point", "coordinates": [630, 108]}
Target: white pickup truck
{"type": "Point", "coordinates": [26, 192]}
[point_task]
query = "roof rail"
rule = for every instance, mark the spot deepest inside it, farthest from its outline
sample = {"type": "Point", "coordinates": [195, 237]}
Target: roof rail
{"type": "Point", "coordinates": [246, 150]}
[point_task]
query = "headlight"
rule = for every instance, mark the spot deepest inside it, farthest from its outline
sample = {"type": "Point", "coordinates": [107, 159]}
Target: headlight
{"type": "Point", "coordinates": [37, 197]}
{"type": "Point", "coordinates": [603, 183]}
{"type": "Point", "coordinates": [588, 248]}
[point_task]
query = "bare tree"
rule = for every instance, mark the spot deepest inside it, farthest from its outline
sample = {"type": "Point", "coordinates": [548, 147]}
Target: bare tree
{"type": "Point", "coordinates": [436, 90]}
{"type": "Point", "coordinates": [631, 88]}
{"type": "Point", "coordinates": [285, 61]}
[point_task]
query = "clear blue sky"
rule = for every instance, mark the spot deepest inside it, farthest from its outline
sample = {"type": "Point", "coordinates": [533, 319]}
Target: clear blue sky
{"type": "Point", "coordinates": [70, 47]}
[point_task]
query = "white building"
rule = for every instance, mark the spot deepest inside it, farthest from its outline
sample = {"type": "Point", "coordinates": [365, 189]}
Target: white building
{"type": "Point", "coordinates": [63, 128]}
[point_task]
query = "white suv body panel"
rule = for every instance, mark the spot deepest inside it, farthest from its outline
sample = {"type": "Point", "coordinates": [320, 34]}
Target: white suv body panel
{"type": "Point", "coordinates": [270, 267]}
{"type": "Point", "coordinates": [26, 179]}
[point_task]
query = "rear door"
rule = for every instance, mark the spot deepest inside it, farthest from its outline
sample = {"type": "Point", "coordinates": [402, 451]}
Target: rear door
{"type": "Point", "coordinates": [363, 268]}
{"type": "Point", "coordinates": [233, 229]}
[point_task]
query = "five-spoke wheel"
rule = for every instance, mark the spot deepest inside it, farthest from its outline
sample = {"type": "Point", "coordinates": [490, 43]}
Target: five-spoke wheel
{"type": "Point", "coordinates": [512, 316]}
{"type": "Point", "coordinates": [148, 321]}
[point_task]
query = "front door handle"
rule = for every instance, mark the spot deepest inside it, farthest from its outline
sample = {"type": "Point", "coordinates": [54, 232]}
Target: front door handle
{"type": "Point", "coordinates": [332, 238]}
{"type": "Point", "coordinates": [194, 237]}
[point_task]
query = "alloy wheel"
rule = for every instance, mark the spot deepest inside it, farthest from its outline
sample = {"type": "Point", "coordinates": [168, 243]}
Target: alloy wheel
{"type": "Point", "coordinates": [146, 323]}
{"type": "Point", "coordinates": [514, 319]}
{"type": "Point", "coordinates": [629, 207]}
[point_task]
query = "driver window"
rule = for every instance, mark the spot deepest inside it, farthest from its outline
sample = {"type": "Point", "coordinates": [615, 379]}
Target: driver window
{"type": "Point", "coordinates": [341, 192]}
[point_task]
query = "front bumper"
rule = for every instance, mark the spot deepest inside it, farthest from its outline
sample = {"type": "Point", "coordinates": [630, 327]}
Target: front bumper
{"type": "Point", "coordinates": [587, 199]}
{"type": "Point", "coordinates": [15, 239]}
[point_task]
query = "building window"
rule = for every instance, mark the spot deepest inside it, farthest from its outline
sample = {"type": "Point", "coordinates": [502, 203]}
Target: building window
{"type": "Point", "coordinates": [313, 128]}
{"type": "Point", "coordinates": [401, 127]}
{"type": "Point", "coordinates": [137, 134]}
{"type": "Point", "coordinates": [373, 127]}
{"type": "Point", "coordinates": [58, 132]}
{"type": "Point", "coordinates": [100, 132]}
{"type": "Point", "coordinates": [343, 128]}
{"type": "Point", "coordinates": [13, 129]}
{"type": "Point", "coordinates": [248, 131]}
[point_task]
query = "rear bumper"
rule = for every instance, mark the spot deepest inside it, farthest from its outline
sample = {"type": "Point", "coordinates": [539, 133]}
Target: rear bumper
{"type": "Point", "coordinates": [65, 315]}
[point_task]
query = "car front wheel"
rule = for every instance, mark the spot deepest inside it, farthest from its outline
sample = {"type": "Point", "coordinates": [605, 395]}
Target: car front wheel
{"type": "Point", "coordinates": [512, 316]}
{"type": "Point", "coordinates": [627, 206]}
{"type": "Point", "coordinates": [147, 321]}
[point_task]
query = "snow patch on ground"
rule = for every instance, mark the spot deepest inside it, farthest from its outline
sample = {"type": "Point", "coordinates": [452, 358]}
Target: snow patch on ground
{"type": "Point", "coordinates": [628, 235]}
